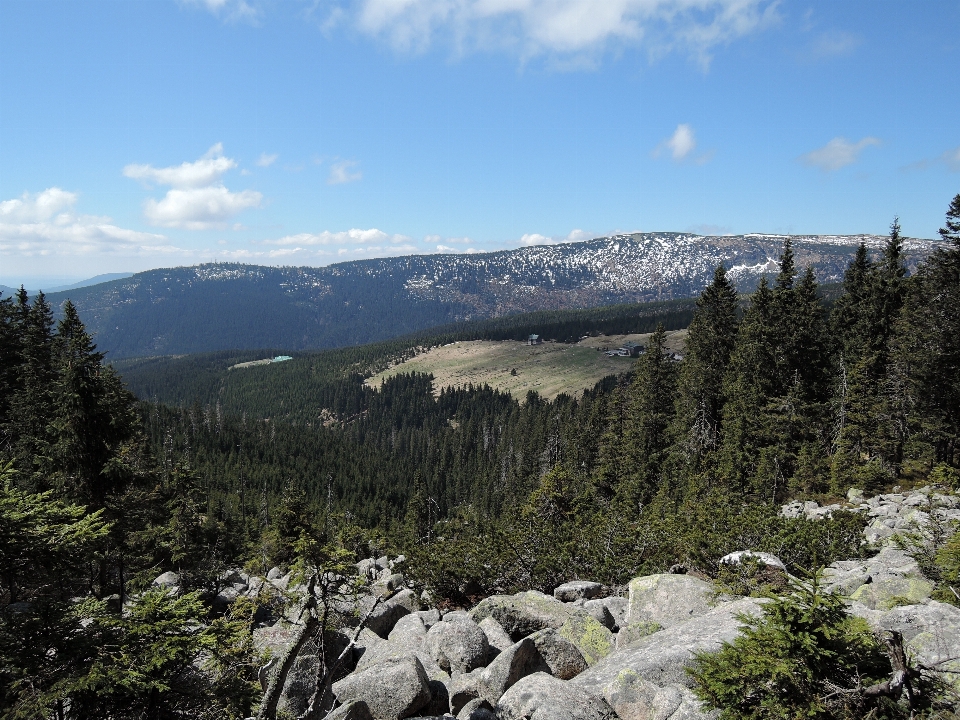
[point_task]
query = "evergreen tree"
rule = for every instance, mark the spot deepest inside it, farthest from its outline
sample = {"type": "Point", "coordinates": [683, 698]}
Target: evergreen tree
{"type": "Point", "coordinates": [710, 342]}
{"type": "Point", "coordinates": [650, 408]}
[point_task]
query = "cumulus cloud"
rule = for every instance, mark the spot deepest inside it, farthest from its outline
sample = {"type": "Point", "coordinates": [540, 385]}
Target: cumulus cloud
{"type": "Point", "coordinates": [344, 171]}
{"type": "Point", "coordinates": [45, 223]}
{"type": "Point", "coordinates": [837, 153]}
{"type": "Point", "coordinates": [563, 27]}
{"type": "Point", "coordinates": [205, 171]}
{"type": "Point", "coordinates": [198, 199]}
{"type": "Point", "coordinates": [266, 160]}
{"type": "Point", "coordinates": [680, 146]}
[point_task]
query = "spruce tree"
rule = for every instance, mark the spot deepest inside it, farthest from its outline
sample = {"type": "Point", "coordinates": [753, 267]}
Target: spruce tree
{"type": "Point", "coordinates": [650, 407]}
{"type": "Point", "coordinates": [710, 341]}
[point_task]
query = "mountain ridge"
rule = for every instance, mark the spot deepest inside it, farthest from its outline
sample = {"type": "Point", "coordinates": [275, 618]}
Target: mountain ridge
{"type": "Point", "coordinates": [217, 306]}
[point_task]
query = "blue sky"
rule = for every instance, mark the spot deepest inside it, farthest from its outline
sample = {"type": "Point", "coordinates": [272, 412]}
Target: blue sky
{"type": "Point", "coordinates": [151, 133]}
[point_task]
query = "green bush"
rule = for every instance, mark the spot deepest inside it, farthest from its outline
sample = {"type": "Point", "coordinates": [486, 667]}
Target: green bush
{"type": "Point", "coordinates": [804, 657]}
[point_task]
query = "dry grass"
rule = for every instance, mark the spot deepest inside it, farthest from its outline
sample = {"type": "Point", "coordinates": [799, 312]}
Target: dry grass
{"type": "Point", "coordinates": [514, 367]}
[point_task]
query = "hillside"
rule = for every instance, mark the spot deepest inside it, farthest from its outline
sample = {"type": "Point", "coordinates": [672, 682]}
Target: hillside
{"type": "Point", "coordinates": [223, 306]}
{"type": "Point", "coordinates": [517, 368]}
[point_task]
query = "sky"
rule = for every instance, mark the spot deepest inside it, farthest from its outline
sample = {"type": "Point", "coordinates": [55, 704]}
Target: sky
{"type": "Point", "coordinates": [137, 134]}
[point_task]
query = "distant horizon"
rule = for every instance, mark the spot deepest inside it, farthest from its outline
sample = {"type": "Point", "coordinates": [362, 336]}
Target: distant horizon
{"type": "Point", "coordinates": [61, 283]}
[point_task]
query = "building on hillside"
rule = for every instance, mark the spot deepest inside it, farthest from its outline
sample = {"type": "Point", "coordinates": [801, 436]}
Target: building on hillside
{"type": "Point", "coordinates": [534, 340]}
{"type": "Point", "coordinates": [632, 349]}
{"type": "Point", "coordinates": [281, 358]}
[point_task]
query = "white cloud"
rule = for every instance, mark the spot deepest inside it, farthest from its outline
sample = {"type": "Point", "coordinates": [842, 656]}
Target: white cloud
{"type": "Point", "coordinates": [266, 160]}
{"type": "Point", "coordinates": [346, 237]}
{"type": "Point", "coordinates": [682, 142]}
{"type": "Point", "coordinates": [837, 153]}
{"type": "Point", "coordinates": [573, 236]}
{"type": "Point", "coordinates": [197, 200]}
{"type": "Point", "coordinates": [564, 27]}
{"type": "Point", "coordinates": [344, 171]}
{"type": "Point", "coordinates": [232, 10]}
{"type": "Point", "coordinates": [205, 171]}
{"type": "Point", "coordinates": [44, 224]}
{"type": "Point", "coordinates": [199, 208]}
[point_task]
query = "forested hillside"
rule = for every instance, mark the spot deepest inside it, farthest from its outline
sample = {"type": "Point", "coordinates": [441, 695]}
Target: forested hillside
{"type": "Point", "coordinates": [776, 398]}
{"type": "Point", "coordinates": [217, 307]}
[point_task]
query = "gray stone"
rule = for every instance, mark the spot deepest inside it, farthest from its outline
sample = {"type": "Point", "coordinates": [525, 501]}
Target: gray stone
{"type": "Point", "coordinates": [524, 613]}
{"type": "Point", "coordinates": [439, 699]}
{"type": "Point", "coordinates": [577, 590]}
{"type": "Point", "coordinates": [167, 580]}
{"type": "Point", "coordinates": [618, 608]}
{"type": "Point", "coordinates": [630, 634]}
{"type": "Point", "coordinates": [662, 658]}
{"type": "Point", "coordinates": [561, 657]}
{"type": "Point", "coordinates": [517, 661]}
{"type": "Point", "coordinates": [407, 628]}
{"type": "Point", "coordinates": [458, 646]}
{"type": "Point", "coordinates": [353, 710]}
{"type": "Point", "coordinates": [384, 616]}
{"type": "Point", "coordinates": [669, 599]}
{"type": "Point", "coordinates": [463, 690]}
{"type": "Point", "coordinates": [477, 709]}
{"type": "Point", "coordinates": [879, 582]}
{"type": "Point", "coordinates": [299, 686]}
{"type": "Point", "coordinates": [633, 698]}
{"type": "Point", "coordinates": [497, 637]}
{"type": "Point", "coordinates": [931, 632]}
{"type": "Point", "coordinates": [392, 689]}
{"type": "Point", "coordinates": [601, 613]}
{"type": "Point", "coordinates": [592, 639]}
{"type": "Point", "coordinates": [543, 697]}
{"type": "Point", "coordinates": [430, 617]}
{"type": "Point", "coordinates": [274, 573]}
{"type": "Point", "coordinates": [406, 598]}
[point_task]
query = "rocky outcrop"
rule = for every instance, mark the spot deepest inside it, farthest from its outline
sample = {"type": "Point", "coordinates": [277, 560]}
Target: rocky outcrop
{"type": "Point", "coordinates": [543, 697]}
{"type": "Point", "coordinates": [393, 689]}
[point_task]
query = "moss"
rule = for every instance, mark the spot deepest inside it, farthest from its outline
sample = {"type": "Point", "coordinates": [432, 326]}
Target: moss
{"type": "Point", "coordinates": [592, 639]}
{"type": "Point", "coordinates": [885, 594]}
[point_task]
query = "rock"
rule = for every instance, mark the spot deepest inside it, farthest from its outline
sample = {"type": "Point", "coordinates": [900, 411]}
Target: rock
{"type": "Point", "coordinates": [407, 598]}
{"type": "Point", "coordinates": [168, 580]}
{"type": "Point", "coordinates": [633, 698]}
{"type": "Point", "coordinates": [854, 496]}
{"type": "Point", "coordinates": [439, 699]}
{"type": "Point", "coordinates": [544, 697]}
{"type": "Point", "coordinates": [407, 628]}
{"type": "Point", "coordinates": [735, 558]}
{"type": "Point", "coordinates": [562, 658]}
{"type": "Point", "coordinates": [669, 599]}
{"type": "Point", "coordinates": [478, 709]}
{"type": "Point", "coordinates": [637, 631]}
{"type": "Point", "coordinates": [592, 639]}
{"type": "Point", "coordinates": [463, 690]}
{"type": "Point", "coordinates": [274, 573]}
{"type": "Point", "coordinates": [224, 599]}
{"type": "Point", "coordinates": [662, 658]}
{"type": "Point", "coordinates": [577, 590]}
{"type": "Point", "coordinates": [430, 617]}
{"type": "Point", "coordinates": [879, 582]}
{"type": "Point", "coordinates": [524, 613]}
{"type": "Point", "coordinates": [458, 646]}
{"type": "Point", "coordinates": [392, 689]}
{"type": "Point", "coordinates": [454, 614]}
{"type": "Point", "coordinates": [299, 687]}
{"type": "Point", "coordinates": [931, 632]}
{"type": "Point", "coordinates": [497, 637]}
{"type": "Point", "coordinates": [353, 710]}
{"type": "Point", "coordinates": [517, 661]}
{"type": "Point", "coordinates": [384, 616]}
{"type": "Point", "coordinates": [618, 608]}
{"type": "Point", "coordinates": [601, 613]}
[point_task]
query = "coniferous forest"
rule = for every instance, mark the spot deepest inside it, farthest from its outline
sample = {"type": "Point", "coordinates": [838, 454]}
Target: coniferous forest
{"type": "Point", "coordinates": [782, 395]}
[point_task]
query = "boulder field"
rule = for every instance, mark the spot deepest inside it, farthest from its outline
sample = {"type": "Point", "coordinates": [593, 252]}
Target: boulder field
{"type": "Point", "coordinates": [585, 652]}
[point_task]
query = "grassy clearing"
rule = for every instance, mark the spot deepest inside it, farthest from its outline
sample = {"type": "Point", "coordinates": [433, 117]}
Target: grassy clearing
{"type": "Point", "coordinates": [517, 368]}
